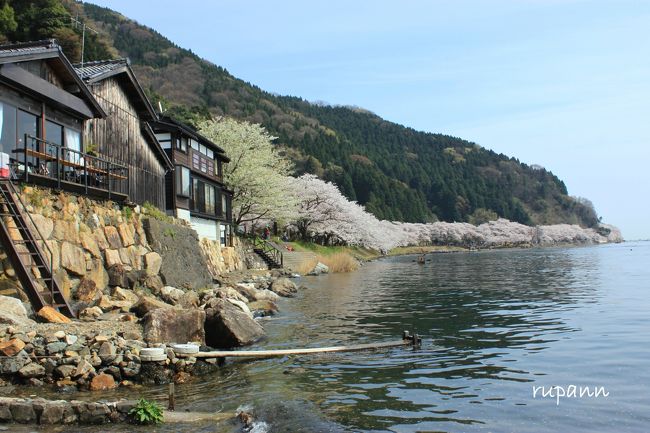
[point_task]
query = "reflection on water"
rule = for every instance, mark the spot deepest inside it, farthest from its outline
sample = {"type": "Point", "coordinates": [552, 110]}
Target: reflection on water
{"type": "Point", "coordinates": [495, 324]}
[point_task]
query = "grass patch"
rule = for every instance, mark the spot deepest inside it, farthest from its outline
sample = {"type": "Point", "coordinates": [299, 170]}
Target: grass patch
{"type": "Point", "coordinates": [359, 253]}
{"type": "Point", "coordinates": [339, 262]}
{"type": "Point", "coordinates": [155, 213]}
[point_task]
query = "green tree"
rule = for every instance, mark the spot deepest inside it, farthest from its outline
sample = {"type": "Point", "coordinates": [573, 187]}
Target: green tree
{"type": "Point", "coordinates": [8, 22]}
{"type": "Point", "coordinates": [481, 215]}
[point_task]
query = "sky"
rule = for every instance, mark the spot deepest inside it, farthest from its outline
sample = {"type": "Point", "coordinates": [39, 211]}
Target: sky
{"type": "Point", "coordinates": [560, 83]}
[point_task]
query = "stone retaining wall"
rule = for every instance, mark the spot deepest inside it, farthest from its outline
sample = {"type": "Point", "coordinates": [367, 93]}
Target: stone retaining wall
{"type": "Point", "coordinates": [49, 412]}
{"type": "Point", "coordinates": [98, 245]}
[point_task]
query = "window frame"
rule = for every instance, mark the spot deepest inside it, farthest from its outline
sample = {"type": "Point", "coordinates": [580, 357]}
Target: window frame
{"type": "Point", "coordinates": [183, 190]}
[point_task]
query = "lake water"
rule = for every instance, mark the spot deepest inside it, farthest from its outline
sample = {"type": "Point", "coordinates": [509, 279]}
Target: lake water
{"type": "Point", "coordinates": [496, 324]}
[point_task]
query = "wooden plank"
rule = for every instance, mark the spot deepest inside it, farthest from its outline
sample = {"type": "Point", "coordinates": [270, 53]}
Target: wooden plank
{"type": "Point", "coordinates": [285, 352]}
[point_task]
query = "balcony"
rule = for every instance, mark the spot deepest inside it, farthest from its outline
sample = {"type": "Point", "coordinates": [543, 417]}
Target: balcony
{"type": "Point", "coordinates": [52, 165]}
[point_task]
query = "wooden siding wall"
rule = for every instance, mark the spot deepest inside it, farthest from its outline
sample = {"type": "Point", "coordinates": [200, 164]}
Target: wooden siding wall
{"type": "Point", "coordinates": [120, 138]}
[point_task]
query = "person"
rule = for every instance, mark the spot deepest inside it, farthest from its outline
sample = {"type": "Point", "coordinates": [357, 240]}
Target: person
{"type": "Point", "coordinates": [267, 233]}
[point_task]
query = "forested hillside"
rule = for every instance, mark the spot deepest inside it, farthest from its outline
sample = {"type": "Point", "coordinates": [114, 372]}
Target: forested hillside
{"type": "Point", "coordinates": [396, 172]}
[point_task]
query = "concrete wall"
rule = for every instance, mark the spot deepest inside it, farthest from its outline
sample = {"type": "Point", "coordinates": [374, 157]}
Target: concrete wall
{"type": "Point", "coordinates": [205, 228]}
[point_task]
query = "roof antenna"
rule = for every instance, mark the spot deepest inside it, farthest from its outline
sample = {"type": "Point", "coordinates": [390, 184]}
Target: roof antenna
{"type": "Point", "coordinates": [76, 23]}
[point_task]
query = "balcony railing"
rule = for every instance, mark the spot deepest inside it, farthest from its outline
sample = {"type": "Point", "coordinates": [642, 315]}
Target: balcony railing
{"type": "Point", "coordinates": [65, 167]}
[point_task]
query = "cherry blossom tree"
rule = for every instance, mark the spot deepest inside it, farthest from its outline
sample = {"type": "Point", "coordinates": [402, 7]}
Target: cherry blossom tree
{"type": "Point", "coordinates": [257, 172]}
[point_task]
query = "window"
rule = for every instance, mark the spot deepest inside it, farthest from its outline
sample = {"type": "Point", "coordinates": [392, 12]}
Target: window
{"type": "Point", "coordinates": [182, 181]}
{"type": "Point", "coordinates": [165, 140]}
{"type": "Point", "coordinates": [219, 172]}
{"type": "Point", "coordinates": [53, 132]}
{"type": "Point", "coordinates": [7, 128]}
{"type": "Point", "coordinates": [209, 199]}
{"type": "Point", "coordinates": [194, 144]}
{"type": "Point", "coordinates": [181, 144]}
{"type": "Point", "coordinates": [224, 205]}
{"type": "Point", "coordinates": [204, 197]}
{"type": "Point", "coordinates": [73, 142]}
{"type": "Point", "coordinates": [27, 125]}
{"type": "Point", "coordinates": [209, 153]}
{"type": "Point", "coordinates": [223, 238]}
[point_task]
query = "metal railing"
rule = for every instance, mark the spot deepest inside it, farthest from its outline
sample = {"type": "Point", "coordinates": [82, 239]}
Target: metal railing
{"type": "Point", "coordinates": [271, 249]}
{"type": "Point", "coordinates": [64, 165]}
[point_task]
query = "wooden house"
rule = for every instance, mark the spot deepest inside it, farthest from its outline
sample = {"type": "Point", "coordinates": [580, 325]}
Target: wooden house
{"type": "Point", "coordinates": [82, 130]}
{"type": "Point", "coordinates": [195, 190]}
{"type": "Point", "coordinates": [124, 135]}
{"type": "Point", "coordinates": [43, 107]}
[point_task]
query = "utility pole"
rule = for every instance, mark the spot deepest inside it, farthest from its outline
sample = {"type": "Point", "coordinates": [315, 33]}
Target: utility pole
{"type": "Point", "coordinates": [78, 23]}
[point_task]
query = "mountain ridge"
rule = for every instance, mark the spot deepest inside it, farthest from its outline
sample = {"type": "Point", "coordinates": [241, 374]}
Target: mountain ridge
{"type": "Point", "coordinates": [396, 172]}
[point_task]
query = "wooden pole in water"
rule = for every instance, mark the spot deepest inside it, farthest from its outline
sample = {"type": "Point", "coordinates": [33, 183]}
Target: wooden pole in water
{"type": "Point", "coordinates": [172, 396]}
{"type": "Point", "coordinates": [285, 352]}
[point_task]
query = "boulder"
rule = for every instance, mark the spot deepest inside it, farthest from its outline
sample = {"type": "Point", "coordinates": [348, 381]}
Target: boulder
{"type": "Point", "coordinates": [227, 326]}
{"type": "Point", "coordinates": [152, 263]}
{"type": "Point", "coordinates": [73, 259]}
{"type": "Point", "coordinates": [127, 234]}
{"type": "Point", "coordinates": [107, 303]}
{"type": "Point", "coordinates": [11, 347]}
{"type": "Point", "coordinates": [52, 413]}
{"type": "Point", "coordinates": [90, 244]}
{"type": "Point", "coordinates": [23, 412]}
{"type": "Point", "coordinates": [183, 264]}
{"type": "Point", "coordinates": [174, 325]}
{"type": "Point", "coordinates": [112, 237]}
{"type": "Point", "coordinates": [66, 231]}
{"type": "Point", "coordinates": [117, 276]}
{"type": "Point", "coordinates": [33, 369]}
{"type": "Point", "coordinates": [91, 313]}
{"type": "Point", "coordinates": [154, 283]}
{"type": "Point", "coordinates": [284, 287]}
{"type": "Point", "coordinates": [171, 294]}
{"type": "Point", "coordinates": [230, 293]}
{"type": "Point", "coordinates": [125, 295]}
{"type": "Point", "coordinates": [190, 299]}
{"type": "Point", "coordinates": [107, 352]}
{"type": "Point", "coordinates": [88, 292]}
{"type": "Point", "coordinates": [253, 294]}
{"type": "Point", "coordinates": [12, 306]}
{"type": "Point", "coordinates": [44, 224]}
{"type": "Point", "coordinates": [241, 305]}
{"type": "Point", "coordinates": [131, 256]}
{"type": "Point", "coordinates": [100, 238]}
{"type": "Point", "coordinates": [84, 369]}
{"type": "Point", "coordinates": [267, 308]}
{"type": "Point", "coordinates": [97, 273]}
{"type": "Point", "coordinates": [320, 268]}
{"type": "Point", "coordinates": [12, 364]}
{"type": "Point", "coordinates": [13, 320]}
{"type": "Point", "coordinates": [51, 315]}
{"type": "Point", "coordinates": [112, 258]}
{"type": "Point", "coordinates": [102, 382]}
{"type": "Point", "coordinates": [147, 304]}
{"type": "Point", "coordinates": [64, 371]}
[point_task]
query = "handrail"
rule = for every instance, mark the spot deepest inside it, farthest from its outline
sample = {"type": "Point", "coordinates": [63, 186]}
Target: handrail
{"type": "Point", "coordinates": [24, 211]}
{"type": "Point", "coordinates": [270, 248]}
{"type": "Point", "coordinates": [83, 164]}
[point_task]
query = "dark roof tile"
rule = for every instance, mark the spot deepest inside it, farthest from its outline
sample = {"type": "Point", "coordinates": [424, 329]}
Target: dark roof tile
{"type": "Point", "coordinates": [93, 69]}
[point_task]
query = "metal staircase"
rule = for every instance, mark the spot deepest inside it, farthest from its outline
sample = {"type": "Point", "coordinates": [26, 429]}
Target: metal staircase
{"type": "Point", "coordinates": [268, 251]}
{"type": "Point", "coordinates": [25, 247]}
